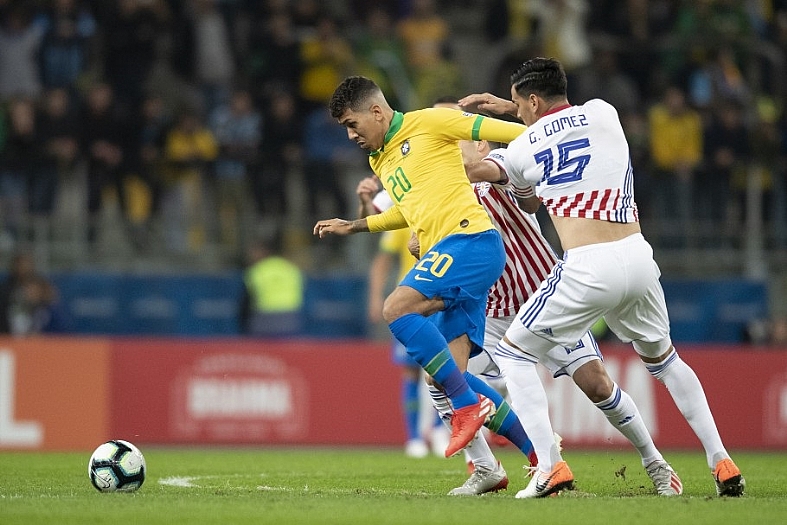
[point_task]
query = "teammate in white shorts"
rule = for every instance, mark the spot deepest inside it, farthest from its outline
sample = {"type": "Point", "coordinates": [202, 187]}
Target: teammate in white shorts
{"type": "Point", "coordinates": [577, 158]}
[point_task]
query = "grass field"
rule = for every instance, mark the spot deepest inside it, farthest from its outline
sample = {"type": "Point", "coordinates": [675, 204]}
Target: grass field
{"type": "Point", "coordinates": [371, 486]}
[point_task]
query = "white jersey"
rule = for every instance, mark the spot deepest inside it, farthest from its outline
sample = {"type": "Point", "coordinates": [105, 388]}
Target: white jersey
{"type": "Point", "coordinates": [578, 160]}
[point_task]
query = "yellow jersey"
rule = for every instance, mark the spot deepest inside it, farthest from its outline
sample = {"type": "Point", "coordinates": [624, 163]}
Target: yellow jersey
{"type": "Point", "coordinates": [395, 242]}
{"type": "Point", "coordinates": [420, 166]}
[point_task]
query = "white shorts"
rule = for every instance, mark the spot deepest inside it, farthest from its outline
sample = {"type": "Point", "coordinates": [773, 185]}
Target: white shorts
{"type": "Point", "coordinates": [559, 361]}
{"type": "Point", "coordinates": [616, 280]}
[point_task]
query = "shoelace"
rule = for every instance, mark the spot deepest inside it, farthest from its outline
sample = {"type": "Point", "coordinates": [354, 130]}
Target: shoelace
{"type": "Point", "coordinates": [531, 471]}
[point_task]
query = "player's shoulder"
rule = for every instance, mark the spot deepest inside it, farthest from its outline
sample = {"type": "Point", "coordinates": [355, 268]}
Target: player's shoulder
{"type": "Point", "coordinates": [601, 106]}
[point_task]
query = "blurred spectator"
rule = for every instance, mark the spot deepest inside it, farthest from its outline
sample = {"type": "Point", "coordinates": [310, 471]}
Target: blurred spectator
{"type": "Point", "coordinates": [603, 78]}
{"type": "Point", "coordinates": [635, 125]}
{"type": "Point", "coordinates": [718, 80]}
{"type": "Point", "coordinates": [563, 31]}
{"type": "Point", "coordinates": [381, 56]}
{"type": "Point", "coordinates": [20, 159]}
{"type": "Point", "coordinates": [425, 33]}
{"type": "Point", "coordinates": [676, 142]}
{"type": "Point", "coordinates": [727, 150]}
{"type": "Point", "coordinates": [325, 152]}
{"type": "Point", "coordinates": [213, 56]}
{"type": "Point", "coordinates": [280, 153]}
{"type": "Point", "coordinates": [306, 16]}
{"type": "Point", "coordinates": [327, 58]}
{"type": "Point", "coordinates": [510, 20]}
{"type": "Point", "coordinates": [189, 150]}
{"type": "Point", "coordinates": [28, 301]}
{"type": "Point", "coordinates": [274, 60]}
{"type": "Point", "coordinates": [20, 42]}
{"type": "Point", "coordinates": [66, 48]}
{"type": "Point", "coordinates": [237, 126]}
{"type": "Point", "coordinates": [58, 126]}
{"type": "Point", "coordinates": [273, 293]}
{"type": "Point", "coordinates": [766, 165]}
{"type": "Point", "coordinates": [130, 30]}
{"type": "Point", "coordinates": [154, 123]}
{"type": "Point", "coordinates": [103, 145]}
{"type": "Point", "coordinates": [639, 20]}
{"type": "Point", "coordinates": [700, 23]}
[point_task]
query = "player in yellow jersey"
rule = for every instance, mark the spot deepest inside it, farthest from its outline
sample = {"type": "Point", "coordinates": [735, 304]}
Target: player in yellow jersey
{"type": "Point", "coordinates": [416, 157]}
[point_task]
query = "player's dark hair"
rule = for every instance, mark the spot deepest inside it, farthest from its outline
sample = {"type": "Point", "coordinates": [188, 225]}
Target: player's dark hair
{"type": "Point", "coordinates": [446, 99]}
{"type": "Point", "coordinates": [352, 94]}
{"type": "Point", "coordinates": [545, 77]}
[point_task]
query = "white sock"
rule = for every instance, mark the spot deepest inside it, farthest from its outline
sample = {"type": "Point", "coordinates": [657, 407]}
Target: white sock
{"type": "Point", "coordinates": [688, 395]}
{"type": "Point", "coordinates": [477, 451]}
{"type": "Point", "coordinates": [624, 415]}
{"type": "Point", "coordinates": [529, 401]}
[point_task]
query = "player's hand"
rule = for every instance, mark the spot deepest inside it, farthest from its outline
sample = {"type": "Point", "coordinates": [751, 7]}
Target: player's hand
{"type": "Point", "coordinates": [333, 226]}
{"type": "Point", "coordinates": [487, 103]}
{"type": "Point", "coordinates": [367, 187]}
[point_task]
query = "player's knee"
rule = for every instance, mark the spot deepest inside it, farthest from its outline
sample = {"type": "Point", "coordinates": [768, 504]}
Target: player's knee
{"type": "Point", "coordinates": [653, 352]}
{"type": "Point", "coordinates": [593, 380]}
{"type": "Point", "coordinates": [661, 365]}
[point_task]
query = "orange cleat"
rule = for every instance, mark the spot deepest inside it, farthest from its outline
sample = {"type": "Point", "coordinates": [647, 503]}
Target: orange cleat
{"type": "Point", "coordinates": [728, 478]}
{"type": "Point", "coordinates": [466, 421]}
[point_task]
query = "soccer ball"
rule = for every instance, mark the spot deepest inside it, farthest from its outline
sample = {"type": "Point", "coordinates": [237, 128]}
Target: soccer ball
{"type": "Point", "coordinates": [117, 465]}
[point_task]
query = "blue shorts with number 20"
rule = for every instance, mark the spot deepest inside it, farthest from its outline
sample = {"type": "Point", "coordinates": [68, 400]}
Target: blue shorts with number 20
{"type": "Point", "coordinates": [460, 269]}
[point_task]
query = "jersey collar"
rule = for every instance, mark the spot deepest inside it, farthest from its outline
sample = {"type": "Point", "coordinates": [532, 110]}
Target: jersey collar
{"type": "Point", "coordinates": [556, 109]}
{"type": "Point", "coordinates": [396, 125]}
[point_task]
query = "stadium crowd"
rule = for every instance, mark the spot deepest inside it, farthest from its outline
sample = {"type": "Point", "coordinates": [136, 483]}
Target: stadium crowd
{"type": "Point", "coordinates": [199, 122]}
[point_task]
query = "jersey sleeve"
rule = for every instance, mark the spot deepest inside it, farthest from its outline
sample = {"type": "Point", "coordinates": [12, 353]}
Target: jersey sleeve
{"type": "Point", "coordinates": [390, 219]}
{"type": "Point", "coordinates": [498, 156]}
{"type": "Point", "coordinates": [515, 164]}
{"type": "Point", "coordinates": [453, 124]}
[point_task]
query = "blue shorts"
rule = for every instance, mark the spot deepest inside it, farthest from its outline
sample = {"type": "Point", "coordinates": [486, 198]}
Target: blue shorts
{"type": "Point", "coordinates": [460, 269]}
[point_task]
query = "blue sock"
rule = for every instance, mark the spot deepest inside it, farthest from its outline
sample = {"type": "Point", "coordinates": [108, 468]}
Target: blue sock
{"type": "Point", "coordinates": [427, 346]}
{"type": "Point", "coordinates": [410, 406]}
{"type": "Point", "coordinates": [505, 422]}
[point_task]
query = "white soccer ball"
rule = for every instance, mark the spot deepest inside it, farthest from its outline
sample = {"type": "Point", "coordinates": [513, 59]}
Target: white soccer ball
{"type": "Point", "coordinates": [117, 466]}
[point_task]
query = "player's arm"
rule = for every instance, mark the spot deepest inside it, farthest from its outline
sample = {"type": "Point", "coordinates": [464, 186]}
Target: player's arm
{"type": "Point", "coordinates": [525, 195]}
{"type": "Point", "coordinates": [366, 190]}
{"type": "Point", "coordinates": [529, 204]}
{"type": "Point", "coordinates": [340, 227]}
{"type": "Point", "coordinates": [485, 171]}
{"type": "Point", "coordinates": [390, 219]}
{"type": "Point", "coordinates": [453, 125]}
{"type": "Point", "coordinates": [488, 103]}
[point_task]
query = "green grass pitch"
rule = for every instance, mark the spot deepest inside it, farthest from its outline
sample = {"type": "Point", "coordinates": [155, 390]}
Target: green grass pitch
{"type": "Point", "coordinates": [374, 486]}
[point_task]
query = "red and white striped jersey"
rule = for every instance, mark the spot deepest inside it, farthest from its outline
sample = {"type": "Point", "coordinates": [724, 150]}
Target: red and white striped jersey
{"type": "Point", "coordinates": [578, 160]}
{"type": "Point", "coordinates": [529, 257]}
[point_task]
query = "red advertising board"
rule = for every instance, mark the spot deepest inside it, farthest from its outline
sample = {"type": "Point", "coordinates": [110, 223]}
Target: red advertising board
{"type": "Point", "coordinates": [72, 393]}
{"type": "Point", "coordinates": [236, 391]}
{"type": "Point", "coordinates": [54, 393]}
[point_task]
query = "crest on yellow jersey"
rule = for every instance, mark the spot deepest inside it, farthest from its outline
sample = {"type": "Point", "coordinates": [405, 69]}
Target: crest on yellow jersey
{"type": "Point", "coordinates": [405, 147]}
